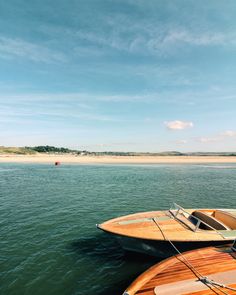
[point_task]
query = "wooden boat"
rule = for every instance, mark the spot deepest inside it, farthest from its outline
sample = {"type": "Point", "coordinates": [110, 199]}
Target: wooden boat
{"type": "Point", "coordinates": [150, 232]}
{"type": "Point", "coordinates": [205, 271]}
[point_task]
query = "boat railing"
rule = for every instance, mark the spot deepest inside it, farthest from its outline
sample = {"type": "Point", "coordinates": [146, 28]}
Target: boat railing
{"type": "Point", "coordinates": [234, 246]}
{"type": "Point", "coordinates": [178, 210]}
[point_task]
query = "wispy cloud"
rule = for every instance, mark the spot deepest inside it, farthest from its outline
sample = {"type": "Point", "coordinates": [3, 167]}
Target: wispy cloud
{"type": "Point", "coordinates": [229, 133]}
{"type": "Point", "coordinates": [219, 137]}
{"type": "Point", "coordinates": [185, 98]}
{"type": "Point", "coordinates": [156, 36]}
{"type": "Point", "coordinates": [53, 108]}
{"type": "Point", "coordinates": [182, 141]}
{"type": "Point", "coordinates": [155, 41]}
{"type": "Point", "coordinates": [209, 139]}
{"type": "Point", "coordinates": [178, 125]}
{"type": "Point", "coordinates": [193, 38]}
{"type": "Point", "coordinates": [18, 48]}
{"type": "Point", "coordinates": [112, 144]}
{"type": "Point", "coordinates": [78, 97]}
{"type": "Point", "coordinates": [128, 34]}
{"type": "Point", "coordinates": [29, 114]}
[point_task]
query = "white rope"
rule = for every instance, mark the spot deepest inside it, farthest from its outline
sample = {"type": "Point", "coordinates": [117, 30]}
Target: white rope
{"type": "Point", "coordinates": [203, 279]}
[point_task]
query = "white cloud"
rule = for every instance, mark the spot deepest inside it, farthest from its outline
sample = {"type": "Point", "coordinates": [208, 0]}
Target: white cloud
{"type": "Point", "coordinates": [178, 125]}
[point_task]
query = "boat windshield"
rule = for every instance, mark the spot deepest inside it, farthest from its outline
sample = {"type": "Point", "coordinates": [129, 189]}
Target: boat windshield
{"type": "Point", "coordinates": [197, 219]}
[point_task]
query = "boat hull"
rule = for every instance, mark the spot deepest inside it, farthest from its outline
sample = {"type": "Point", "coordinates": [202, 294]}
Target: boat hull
{"type": "Point", "coordinates": [162, 249]}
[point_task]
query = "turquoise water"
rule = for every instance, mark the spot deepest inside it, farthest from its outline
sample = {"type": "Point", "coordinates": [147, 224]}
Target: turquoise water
{"type": "Point", "coordinates": [49, 243]}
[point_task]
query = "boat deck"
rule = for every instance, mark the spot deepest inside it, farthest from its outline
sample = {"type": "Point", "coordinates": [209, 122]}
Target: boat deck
{"type": "Point", "coordinates": [161, 225]}
{"type": "Point", "coordinates": [174, 276]}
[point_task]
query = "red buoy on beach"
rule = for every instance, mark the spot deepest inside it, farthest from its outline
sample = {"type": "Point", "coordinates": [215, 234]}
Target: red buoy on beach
{"type": "Point", "coordinates": [57, 163]}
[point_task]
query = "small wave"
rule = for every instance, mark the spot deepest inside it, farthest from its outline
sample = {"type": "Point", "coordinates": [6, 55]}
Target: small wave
{"type": "Point", "coordinates": [8, 169]}
{"type": "Point", "coordinates": [221, 167]}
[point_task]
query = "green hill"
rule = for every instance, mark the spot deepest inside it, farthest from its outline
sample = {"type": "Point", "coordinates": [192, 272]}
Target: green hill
{"type": "Point", "coordinates": [16, 150]}
{"type": "Point", "coordinates": [61, 150]}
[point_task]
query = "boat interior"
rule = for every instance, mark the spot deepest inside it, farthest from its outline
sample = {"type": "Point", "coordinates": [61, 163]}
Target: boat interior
{"type": "Point", "coordinates": [207, 219]}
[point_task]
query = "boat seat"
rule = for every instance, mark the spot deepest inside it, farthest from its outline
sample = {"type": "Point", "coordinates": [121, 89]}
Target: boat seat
{"type": "Point", "coordinates": [210, 220]}
{"type": "Point", "coordinates": [226, 218]}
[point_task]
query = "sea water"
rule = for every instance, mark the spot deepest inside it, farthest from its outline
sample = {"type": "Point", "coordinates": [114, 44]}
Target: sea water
{"type": "Point", "coordinates": [49, 243]}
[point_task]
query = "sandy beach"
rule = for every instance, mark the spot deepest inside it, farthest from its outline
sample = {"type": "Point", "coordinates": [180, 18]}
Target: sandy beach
{"type": "Point", "coordinates": [72, 159]}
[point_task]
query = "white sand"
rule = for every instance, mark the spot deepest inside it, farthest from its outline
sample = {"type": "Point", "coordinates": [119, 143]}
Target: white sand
{"type": "Point", "coordinates": [41, 158]}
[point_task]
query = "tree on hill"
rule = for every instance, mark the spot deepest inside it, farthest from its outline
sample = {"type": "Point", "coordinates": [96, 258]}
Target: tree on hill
{"type": "Point", "coordinates": [50, 149]}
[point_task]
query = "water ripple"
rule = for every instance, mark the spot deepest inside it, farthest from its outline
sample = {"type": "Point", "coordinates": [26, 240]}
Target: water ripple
{"type": "Point", "coordinates": [50, 243]}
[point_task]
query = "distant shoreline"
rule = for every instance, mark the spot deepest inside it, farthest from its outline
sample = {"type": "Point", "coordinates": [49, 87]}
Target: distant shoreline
{"type": "Point", "coordinates": [73, 159]}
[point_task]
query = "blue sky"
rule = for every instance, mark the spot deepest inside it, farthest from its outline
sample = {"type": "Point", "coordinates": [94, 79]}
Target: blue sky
{"type": "Point", "coordinates": [118, 75]}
